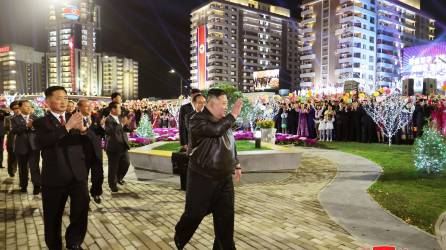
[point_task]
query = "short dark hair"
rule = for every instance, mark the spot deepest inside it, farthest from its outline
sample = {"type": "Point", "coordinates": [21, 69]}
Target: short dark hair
{"type": "Point", "coordinates": [115, 94]}
{"type": "Point", "coordinates": [195, 91]}
{"type": "Point", "coordinates": [14, 103]}
{"type": "Point", "coordinates": [196, 97]}
{"type": "Point", "coordinates": [113, 105]}
{"type": "Point", "coordinates": [215, 93]}
{"type": "Point", "coordinates": [49, 91]}
{"type": "Point", "coordinates": [21, 102]}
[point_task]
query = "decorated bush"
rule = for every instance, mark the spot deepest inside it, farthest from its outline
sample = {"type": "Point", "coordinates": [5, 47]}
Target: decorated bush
{"type": "Point", "coordinates": [430, 152]}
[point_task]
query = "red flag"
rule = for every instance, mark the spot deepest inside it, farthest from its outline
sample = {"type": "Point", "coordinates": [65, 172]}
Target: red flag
{"type": "Point", "coordinates": [201, 56]}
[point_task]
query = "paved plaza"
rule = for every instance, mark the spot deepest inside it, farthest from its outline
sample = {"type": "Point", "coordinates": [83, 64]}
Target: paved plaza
{"type": "Point", "coordinates": [280, 214]}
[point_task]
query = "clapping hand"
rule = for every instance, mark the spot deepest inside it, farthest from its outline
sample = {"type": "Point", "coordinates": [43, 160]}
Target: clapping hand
{"type": "Point", "coordinates": [75, 122]}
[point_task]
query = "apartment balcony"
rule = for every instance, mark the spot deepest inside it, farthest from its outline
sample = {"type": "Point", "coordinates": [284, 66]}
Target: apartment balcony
{"type": "Point", "coordinates": [306, 66]}
{"type": "Point", "coordinates": [409, 16]}
{"type": "Point", "coordinates": [308, 75]}
{"type": "Point", "coordinates": [306, 84]}
{"type": "Point", "coordinates": [385, 74]}
{"type": "Point", "coordinates": [308, 57]}
{"type": "Point", "coordinates": [351, 39]}
{"type": "Point", "coordinates": [408, 25]}
{"type": "Point", "coordinates": [343, 71]}
{"type": "Point", "coordinates": [385, 65]}
{"type": "Point", "coordinates": [308, 21]}
{"type": "Point", "coordinates": [388, 9]}
{"type": "Point", "coordinates": [385, 46]}
{"type": "Point", "coordinates": [306, 48]}
{"type": "Point", "coordinates": [389, 29]}
{"type": "Point", "coordinates": [351, 18]}
{"type": "Point", "coordinates": [389, 38]}
{"type": "Point", "coordinates": [388, 19]}
{"type": "Point", "coordinates": [309, 11]}
{"type": "Point", "coordinates": [346, 50]}
{"type": "Point", "coordinates": [386, 56]}
{"type": "Point", "coordinates": [307, 30]}
{"type": "Point", "coordinates": [309, 38]}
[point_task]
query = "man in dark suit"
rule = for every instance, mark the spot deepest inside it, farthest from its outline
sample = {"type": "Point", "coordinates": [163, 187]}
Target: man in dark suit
{"type": "Point", "coordinates": [184, 110]}
{"type": "Point", "coordinates": [25, 147]}
{"type": "Point", "coordinates": [115, 97]}
{"type": "Point", "coordinates": [93, 150]}
{"type": "Point", "coordinates": [198, 102]}
{"type": "Point", "coordinates": [117, 146]}
{"type": "Point", "coordinates": [64, 171]}
{"type": "Point", "coordinates": [3, 115]}
{"type": "Point", "coordinates": [12, 160]}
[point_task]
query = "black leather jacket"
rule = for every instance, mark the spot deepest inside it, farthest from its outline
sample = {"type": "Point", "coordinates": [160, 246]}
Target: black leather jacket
{"type": "Point", "coordinates": [213, 153]}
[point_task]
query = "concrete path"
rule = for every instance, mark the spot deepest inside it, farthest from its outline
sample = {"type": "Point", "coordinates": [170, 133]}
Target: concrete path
{"type": "Point", "coordinates": [347, 202]}
{"type": "Point", "coordinates": [282, 214]}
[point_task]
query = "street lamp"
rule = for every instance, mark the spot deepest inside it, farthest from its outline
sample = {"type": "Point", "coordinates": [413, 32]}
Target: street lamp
{"type": "Point", "coordinates": [173, 71]}
{"type": "Point", "coordinates": [258, 137]}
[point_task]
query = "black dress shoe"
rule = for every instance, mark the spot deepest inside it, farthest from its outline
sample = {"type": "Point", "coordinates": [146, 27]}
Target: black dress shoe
{"type": "Point", "coordinates": [23, 190]}
{"type": "Point", "coordinates": [75, 247]}
{"type": "Point", "coordinates": [2, 167]}
{"type": "Point", "coordinates": [11, 175]}
{"type": "Point", "coordinates": [97, 199]}
{"type": "Point", "coordinates": [121, 182]}
{"type": "Point", "coordinates": [114, 189]}
{"type": "Point", "coordinates": [36, 190]}
{"type": "Point", "coordinates": [177, 242]}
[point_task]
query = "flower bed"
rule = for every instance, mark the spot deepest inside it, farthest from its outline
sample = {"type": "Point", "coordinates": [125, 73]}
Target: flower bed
{"type": "Point", "coordinates": [171, 134]}
{"type": "Point", "coordinates": [282, 139]}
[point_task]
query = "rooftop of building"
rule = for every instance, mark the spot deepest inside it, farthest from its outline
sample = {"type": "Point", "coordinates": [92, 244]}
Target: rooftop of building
{"type": "Point", "coordinates": [406, 3]}
{"type": "Point", "coordinates": [412, 5]}
{"type": "Point", "coordinates": [247, 4]}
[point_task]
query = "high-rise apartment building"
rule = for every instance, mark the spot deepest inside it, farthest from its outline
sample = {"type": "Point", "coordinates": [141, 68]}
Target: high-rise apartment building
{"type": "Point", "coordinates": [73, 36]}
{"type": "Point", "coordinates": [232, 39]}
{"type": "Point", "coordinates": [358, 41]}
{"type": "Point", "coordinates": [22, 70]}
{"type": "Point", "coordinates": [120, 74]}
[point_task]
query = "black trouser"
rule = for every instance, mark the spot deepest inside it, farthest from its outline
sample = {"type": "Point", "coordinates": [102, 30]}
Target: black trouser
{"type": "Point", "coordinates": [54, 200]}
{"type": "Point", "coordinates": [2, 140]}
{"type": "Point", "coordinates": [31, 161]}
{"type": "Point", "coordinates": [118, 165]}
{"type": "Point", "coordinates": [12, 161]}
{"type": "Point", "coordinates": [205, 196]}
{"type": "Point", "coordinates": [97, 177]}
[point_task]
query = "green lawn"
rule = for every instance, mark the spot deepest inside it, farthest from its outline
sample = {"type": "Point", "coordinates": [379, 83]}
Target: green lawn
{"type": "Point", "coordinates": [407, 193]}
{"type": "Point", "coordinates": [241, 146]}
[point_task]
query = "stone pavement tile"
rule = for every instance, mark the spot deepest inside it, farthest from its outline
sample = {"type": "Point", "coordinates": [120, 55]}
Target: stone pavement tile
{"type": "Point", "coordinates": [279, 214]}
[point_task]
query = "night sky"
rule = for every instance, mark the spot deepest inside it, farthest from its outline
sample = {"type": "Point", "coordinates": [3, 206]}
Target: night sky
{"type": "Point", "coordinates": [156, 33]}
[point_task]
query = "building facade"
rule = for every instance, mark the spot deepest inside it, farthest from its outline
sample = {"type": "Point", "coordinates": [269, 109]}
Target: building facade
{"type": "Point", "coordinates": [73, 36]}
{"type": "Point", "coordinates": [230, 40]}
{"type": "Point", "coordinates": [120, 74]}
{"type": "Point", "coordinates": [358, 41]}
{"type": "Point", "coordinates": [22, 70]}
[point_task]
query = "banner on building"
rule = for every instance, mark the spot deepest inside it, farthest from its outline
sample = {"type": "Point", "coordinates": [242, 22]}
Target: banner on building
{"type": "Point", "coordinates": [201, 56]}
{"type": "Point", "coordinates": [72, 64]}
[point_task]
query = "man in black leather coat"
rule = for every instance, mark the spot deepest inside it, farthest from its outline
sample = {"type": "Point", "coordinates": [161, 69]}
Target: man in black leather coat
{"type": "Point", "coordinates": [213, 160]}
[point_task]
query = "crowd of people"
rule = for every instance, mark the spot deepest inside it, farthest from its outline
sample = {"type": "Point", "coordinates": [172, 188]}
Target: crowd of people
{"type": "Point", "coordinates": [336, 120]}
{"type": "Point", "coordinates": [49, 148]}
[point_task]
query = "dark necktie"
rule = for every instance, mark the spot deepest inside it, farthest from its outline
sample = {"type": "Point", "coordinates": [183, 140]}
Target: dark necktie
{"type": "Point", "coordinates": [62, 120]}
